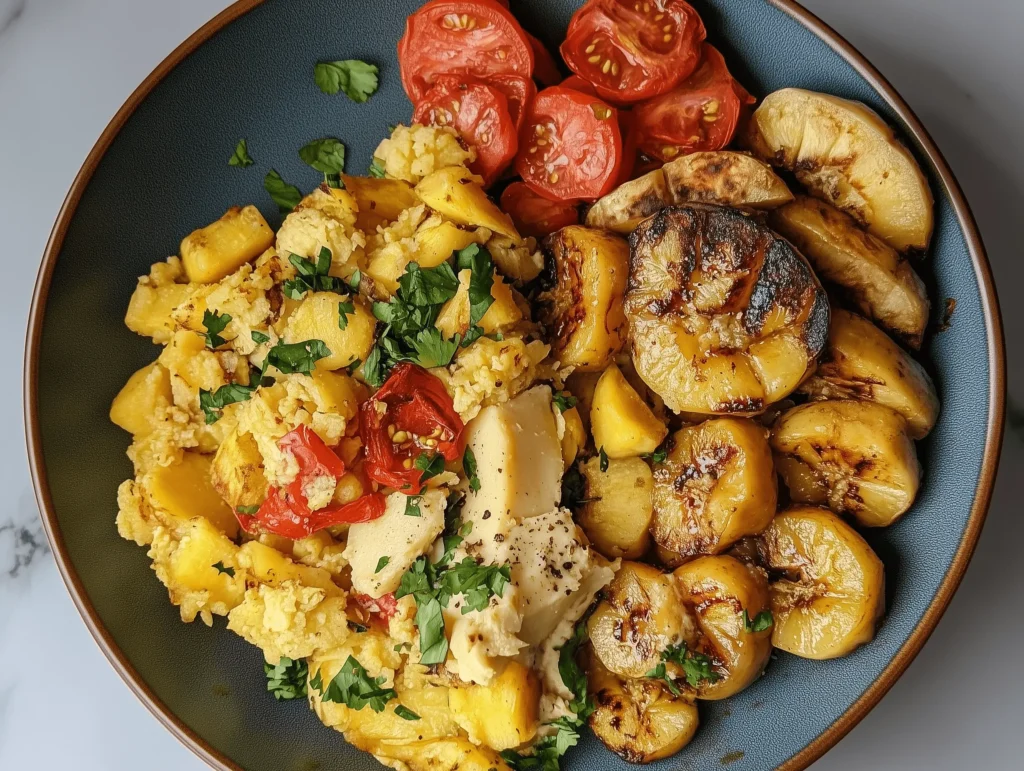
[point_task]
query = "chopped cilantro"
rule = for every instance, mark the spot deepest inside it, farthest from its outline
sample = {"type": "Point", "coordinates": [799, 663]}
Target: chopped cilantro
{"type": "Point", "coordinates": [222, 568]}
{"type": "Point", "coordinates": [354, 688]}
{"type": "Point", "coordinates": [661, 453]}
{"type": "Point", "coordinates": [696, 666]}
{"type": "Point", "coordinates": [311, 276]}
{"type": "Point", "coordinates": [286, 679]}
{"type": "Point", "coordinates": [762, 621]}
{"type": "Point", "coordinates": [574, 488]}
{"type": "Point", "coordinates": [430, 464]}
{"type": "Point", "coordinates": [356, 78]}
{"type": "Point", "coordinates": [374, 369]}
{"type": "Point", "coordinates": [213, 402]}
{"type": "Point", "coordinates": [469, 466]}
{"type": "Point", "coordinates": [476, 583]}
{"type": "Point", "coordinates": [214, 323]}
{"type": "Point", "coordinates": [432, 286]}
{"type": "Point", "coordinates": [432, 350]}
{"type": "Point", "coordinates": [661, 673]}
{"type": "Point", "coordinates": [286, 196]}
{"type": "Point", "coordinates": [240, 157]}
{"type": "Point", "coordinates": [377, 170]}
{"type": "Point", "coordinates": [564, 401]}
{"type": "Point", "coordinates": [250, 510]}
{"type": "Point", "coordinates": [412, 506]}
{"type": "Point", "coordinates": [353, 366]}
{"type": "Point", "coordinates": [297, 357]}
{"type": "Point", "coordinates": [405, 713]}
{"type": "Point", "coordinates": [259, 337]}
{"type": "Point", "coordinates": [381, 564]}
{"type": "Point", "coordinates": [603, 459]}
{"type": "Point", "coordinates": [345, 309]}
{"type": "Point", "coordinates": [326, 155]}
{"type": "Point", "coordinates": [478, 260]}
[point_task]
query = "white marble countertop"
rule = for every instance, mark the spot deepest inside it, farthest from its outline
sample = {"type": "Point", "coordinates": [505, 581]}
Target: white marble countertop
{"type": "Point", "coordinates": [65, 68]}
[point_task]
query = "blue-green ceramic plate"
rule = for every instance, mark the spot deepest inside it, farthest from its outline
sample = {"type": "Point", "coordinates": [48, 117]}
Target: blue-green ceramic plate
{"type": "Point", "coordinates": [160, 170]}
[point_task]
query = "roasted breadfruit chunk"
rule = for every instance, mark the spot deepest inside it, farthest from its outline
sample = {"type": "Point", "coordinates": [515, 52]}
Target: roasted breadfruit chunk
{"type": "Point", "coordinates": [730, 602]}
{"type": "Point", "coordinates": [854, 457]}
{"type": "Point", "coordinates": [872, 276]}
{"type": "Point", "coordinates": [582, 311]}
{"type": "Point", "coordinates": [616, 516]}
{"type": "Point", "coordinates": [639, 720]}
{"type": "Point", "coordinates": [724, 317]}
{"type": "Point", "coordinates": [829, 590]}
{"type": "Point", "coordinates": [862, 362]}
{"type": "Point", "coordinates": [716, 486]}
{"type": "Point", "coordinates": [727, 178]}
{"type": "Point", "coordinates": [846, 155]}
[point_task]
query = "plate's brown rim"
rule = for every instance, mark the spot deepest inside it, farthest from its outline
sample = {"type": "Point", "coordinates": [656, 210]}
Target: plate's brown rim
{"type": "Point", "coordinates": [824, 741]}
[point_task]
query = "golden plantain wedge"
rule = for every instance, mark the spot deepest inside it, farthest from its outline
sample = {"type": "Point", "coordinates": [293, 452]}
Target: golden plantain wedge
{"type": "Point", "coordinates": [876, 280]}
{"type": "Point", "coordinates": [845, 154]}
{"type": "Point", "coordinates": [830, 593]}
{"type": "Point", "coordinates": [854, 457]}
{"type": "Point", "coordinates": [862, 362]}
{"type": "Point", "coordinates": [727, 178]}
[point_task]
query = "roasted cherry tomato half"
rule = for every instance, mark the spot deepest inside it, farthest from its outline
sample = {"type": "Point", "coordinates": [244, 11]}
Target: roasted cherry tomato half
{"type": "Point", "coordinates": [535, 215]}
{"type": "Point", "coordinates": [576, 83]}
{"type": "Point", "coordinates": [630, 138]}
{"type": "Point", "coordinates": [520, 93]}
{"type": "Point", "coordinates": [286, 511]}
{"type": "Point", "coordinates": [700, 114]}
{"type": "Point", "coordinates": [461, 37]}
{"type": "Point", "coordinates": [570, 148]}
{"type": "Point", "coordinates": [480, 113]}
{"type": "Point", "coordinates": [379, 610]}
{"type": "Point", "coordinates": [411, 415]}
{"type": "Point", "coordinates": [633, 50]}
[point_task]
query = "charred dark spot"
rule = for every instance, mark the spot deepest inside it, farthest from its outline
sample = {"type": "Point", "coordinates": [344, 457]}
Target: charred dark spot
{"type": "Point", "coordinates": [746, 404]}
{"type": "Point", "coordinates": [615, 722]}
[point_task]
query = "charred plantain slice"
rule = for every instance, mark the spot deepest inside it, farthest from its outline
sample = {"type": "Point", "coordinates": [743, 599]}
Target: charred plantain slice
{"type": "Point", "coordinates": [846, 155]}
{"type": "Point", "coordinates": [724, 316]}
{"type": "Point", "coordinates": [727, 178]}
{"type": "Point", "coordinates": [854, 457]}
{"type": "Point", "coordinates": [873, 277]}
{"type": "Point", "coordinates": [630, 203]}
{"type": "Point", "coordinates": [862, 362]}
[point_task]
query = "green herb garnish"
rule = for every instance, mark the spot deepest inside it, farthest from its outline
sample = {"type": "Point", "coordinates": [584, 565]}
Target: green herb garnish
{"type": "Point", "coordinates": [222, 568]}
{"type": "Point", "coordinates": [405, 713]}
{"type": "Point", "coordinates": [345, 309]}
{"type": "Point", "coordinates": [212, 403]}
{"type": "Point", "coordinates": [469, 466]}
{"type": "Point", "coordinates": [354, 688]}
{"type": "Point", "coordinates": [356, 78]}
{"type": "Point", "coordinates": [259, 337]}
{"type": "Point", "coordinates": [214, 323]}
{"type": "Point", "coordinates": [762, 621]}
{"type": "Point", "coordinates": [287, 679]}
{"type": "Point", "coordinates": [326, 155]}
{"type": "Point", "coordinates": [240, 157]}
{"type": "Point", "coordinates": [286, 196]}
{"type": "Point", "coordinates": [377, 170]}
{"type": "Point", "coordinates": [381, 564]}
{"type": "Point", "coordinates": [564, 401]}
{"type": "Point", "coordinates": [430, 464]}
{"type": "Point", "coordinates": [412, 506]}
{"type": "Point", "coordinates": [297, 357]}
{"type": "Point", "coordinates": [603, 456]}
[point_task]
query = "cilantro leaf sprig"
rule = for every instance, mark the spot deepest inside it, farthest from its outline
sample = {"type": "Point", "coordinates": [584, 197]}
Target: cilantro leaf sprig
{"type": "Point", "coordinates": [760, 623]}
{"type": "Point", "coordinates": [409, 317]}
{"type": "Point", "coordinates": [696, 666]}
{"type": "Point", "coordinates": [469, 466]}
{"type": "Point", "coordinates": [312, 276]}
{"type": "Point", "coordinates": [240, 157]}
{"type": "Point", "coordinates": [354, 688]}
{"type": "Point", "coordinates": [326, 155]}
{"type": "Point", "coordinates": [286, 196]}
{"type": "Point", "coordinates": [298, 357]}
{"type": "Point", "coordinates": [564, 401]}
{"type": "Point", "coordinates": [356, 78]}
{"type": "Point", "coordinates": [212, 403]}
{"type": "Point", "coordinates": [287, 678]}
{"type": "Point", "coordinates": [214, 323]}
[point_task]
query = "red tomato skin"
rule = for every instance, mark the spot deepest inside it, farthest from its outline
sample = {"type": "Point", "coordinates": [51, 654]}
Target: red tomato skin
{"type": "Point", "coordinates": [520, 93]}
{"type": "Point", "coordinates": [416, 402]}
{"type": "Point", "coordinates": [622, 49]}
{"type": "Point", "coordinates": [681, 122]}
{"type": "Point", "coordinates": [627, 125]}
{"type": "Point", "coordinates": [437, 42]}
{"type": "Point", "coordinates": [576, 83]}
{"type": "Point", "coordinates": [314, 457]}
{"type": "Point", "coordinates": [535, 215]}
{"type": "Point", "coordinates": [384, 606]}
{"type": "Point", "coordinates": [581, 153]}
{"type": "Point", "coordinates": [480, 113]}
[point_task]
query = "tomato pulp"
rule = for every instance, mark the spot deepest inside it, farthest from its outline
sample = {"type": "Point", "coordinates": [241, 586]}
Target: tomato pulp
{"type": "Point", "coordinates": [633, 50]}
{"type": "Point", "coordinates": [570, 147]}
{"type": "Point", "coordinates": [411, 416]}
{"type": "Point", "coordinates": [535, 215]}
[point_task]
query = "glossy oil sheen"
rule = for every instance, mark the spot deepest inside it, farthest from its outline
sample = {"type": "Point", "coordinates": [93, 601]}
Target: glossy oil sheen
{"type": "Point", "coordinates": [167, 173]}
